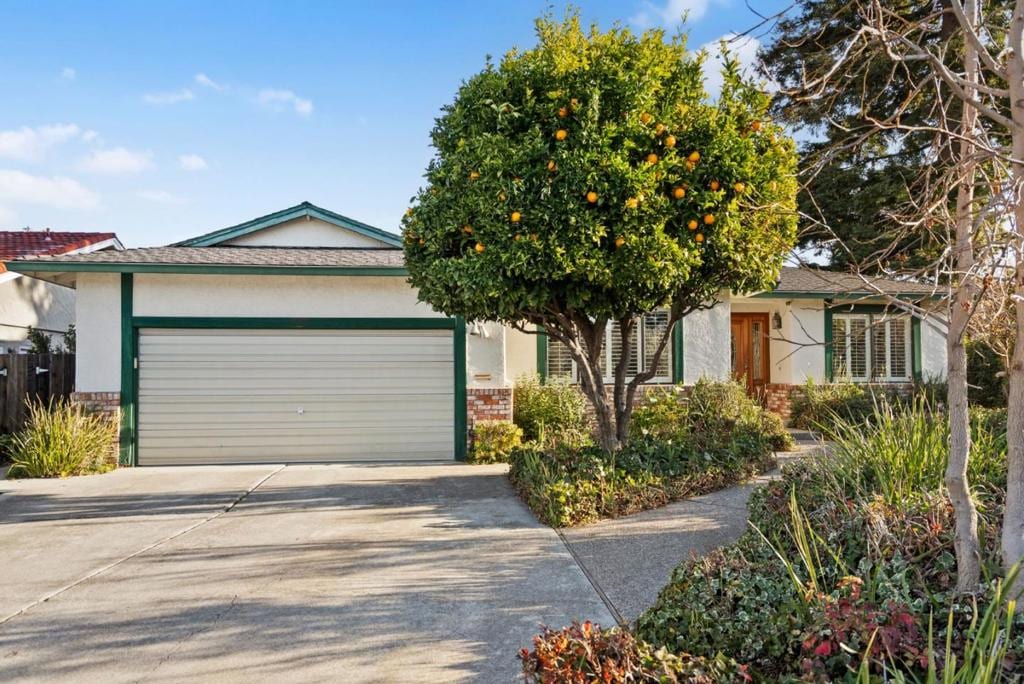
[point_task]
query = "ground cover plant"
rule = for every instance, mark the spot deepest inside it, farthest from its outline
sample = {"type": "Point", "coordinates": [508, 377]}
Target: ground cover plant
{"type": "Point", "coordinates": [681, 446]}
{"type": "Point", "coordinates": [61, 439]}
{"type": "Point", "coordinates": [849, 572]}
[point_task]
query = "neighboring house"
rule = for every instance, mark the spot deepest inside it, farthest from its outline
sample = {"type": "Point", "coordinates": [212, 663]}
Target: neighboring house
{"type": "Point", "coordinates": [296, 337]}
{"type": "Point", "coordinates": [32, 303]}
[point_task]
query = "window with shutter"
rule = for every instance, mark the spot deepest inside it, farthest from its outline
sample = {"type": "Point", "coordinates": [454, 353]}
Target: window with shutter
{"type": "Point", "coordinates": [646, 336]}
{"type": "Point", "coordinates": [872, 347]}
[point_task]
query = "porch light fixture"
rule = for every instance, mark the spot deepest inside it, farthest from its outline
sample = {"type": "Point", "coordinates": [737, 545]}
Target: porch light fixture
{"type": "Point", "coordinates": [776, 321]}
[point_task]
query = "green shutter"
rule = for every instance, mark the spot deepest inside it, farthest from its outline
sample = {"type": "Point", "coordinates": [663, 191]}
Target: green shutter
{"type": "Point", "coordinates": [678, 360]}
{"type": "Point", "coordinates": [915, 348]}
{"type": "Point", "coordinates": [128, 398]}
{"type": "Point", "coordinates": [829, 343]}
{"type": "Point", "coordinates": [542, 354]}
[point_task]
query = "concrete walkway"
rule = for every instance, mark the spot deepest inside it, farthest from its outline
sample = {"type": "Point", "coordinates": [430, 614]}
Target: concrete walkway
{"type": "Point", "coordinates": [629, 560]}
{"type": "Point", "coordinates": [307, 573]}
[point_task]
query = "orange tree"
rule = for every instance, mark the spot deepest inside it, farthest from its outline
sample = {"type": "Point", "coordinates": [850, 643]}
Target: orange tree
{"type": "Point", "coordinates": [591, 179]}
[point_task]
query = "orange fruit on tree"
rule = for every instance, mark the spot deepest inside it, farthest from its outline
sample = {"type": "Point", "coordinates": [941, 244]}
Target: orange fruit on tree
{"type": "Point", "coordinates": [739, 187]}
{"type": "Point", "coordinates": [552, 166]}
{"type": "Point", "coordinates": [619, 241]}
{"type": "Point", "coordinates": [699, 237]}
{"type": "Point", "coordinates": [692, 225]}
{"type": "Point", "coordinates": [516, 216]}
{"type": "Point", "coordinates": [563, 112]}
{"type": "Point", "coordinates": [709, 219]}
{"type": "Point", "coordinates": [473, 175]}
{"type": "Point", "coordinates": [632, 203]}
{"type": "Point", "coordinates": [659, 129]}
{"type": "Point", "coordinates": [592, 197]}
{"type": "Point", "coordinates": [755, 126]}
{"type": "Point", "coordinates": [479, 248]}
{"type": "Point", "coordinates": [561, 134]}
{"type": "Point", "coordinates": [670, 141]}
{"type": "Point", "coordinates": [652, 158]}
{"type": "Point", "coordinates": [646, 118]}
{"type": "Point", "coordinates": [467, 229]}
{"type": "Point", "coordinates": [690, 165]}
{"type": "Point", "coordinates": [694, 157]}
{"type": "Point", "coordinates": [715, 185]}
{"type": "Point", "coordinates": [679, 192]}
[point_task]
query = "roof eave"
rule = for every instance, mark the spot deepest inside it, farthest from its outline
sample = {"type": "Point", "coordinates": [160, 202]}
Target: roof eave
{"type": "Point", "coordinates": [806, 294]}
{"type": "Point", "coordinates": [33, 267]}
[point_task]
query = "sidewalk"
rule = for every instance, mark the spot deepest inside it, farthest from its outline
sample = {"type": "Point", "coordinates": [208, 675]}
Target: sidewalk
{"type": "Point", "coordinates": [629, 560]}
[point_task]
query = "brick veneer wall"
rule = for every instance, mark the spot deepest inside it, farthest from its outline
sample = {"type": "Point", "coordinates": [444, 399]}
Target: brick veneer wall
{"type": "Point", "coordinates": [778, 399]}
{"type": "Point", "coordinates": [493, 403]}
{"type": "Point", "coordinates": [107, 403]}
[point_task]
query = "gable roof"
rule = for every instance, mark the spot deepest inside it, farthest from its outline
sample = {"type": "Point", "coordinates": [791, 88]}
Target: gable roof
{"type": "Point", "coordinates": [20, 244]}
{"type": "Point", "coordinates": [805, 281]}
{"type": "Point", "coordinates": [302, 210]}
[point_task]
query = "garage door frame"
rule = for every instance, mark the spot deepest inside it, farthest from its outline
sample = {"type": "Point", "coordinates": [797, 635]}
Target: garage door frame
{"type": "Point", "coordinates": [129, 374]}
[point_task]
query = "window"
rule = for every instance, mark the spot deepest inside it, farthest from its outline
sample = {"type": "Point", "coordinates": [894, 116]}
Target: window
{"type": "Point", "coordinates": [871, 347]}
{"type": "Point", "coordinates": [646, 336]}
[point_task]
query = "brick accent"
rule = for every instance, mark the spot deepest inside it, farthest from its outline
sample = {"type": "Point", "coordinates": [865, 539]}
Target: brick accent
{"type": "Point", "coordinates": [102, 402]}
{"type": "Point", "coordinates": [778, 398]}
{"type": "Point", "coordinates": [493, 403]}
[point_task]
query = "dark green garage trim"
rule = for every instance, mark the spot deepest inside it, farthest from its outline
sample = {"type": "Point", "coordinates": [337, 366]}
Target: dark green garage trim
{"type": "Point", "coordinates": [129, 354]}
{"type": "Point", "coordinates": [201, 269]}
{"type": "Point", "coordinates": [677, 347]}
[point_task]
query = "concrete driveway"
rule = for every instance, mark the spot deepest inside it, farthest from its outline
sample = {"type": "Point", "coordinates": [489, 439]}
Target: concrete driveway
{"type": "Point", "coordinates": [306, 573]}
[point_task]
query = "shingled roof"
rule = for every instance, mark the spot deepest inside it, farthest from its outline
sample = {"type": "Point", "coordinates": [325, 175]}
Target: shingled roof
{"type": "Point", "coordinates": [285, 257]}
{"type": "Point", "coordinates": [806, 281]}
{"type": "Point", "coordinates": [20, 244]}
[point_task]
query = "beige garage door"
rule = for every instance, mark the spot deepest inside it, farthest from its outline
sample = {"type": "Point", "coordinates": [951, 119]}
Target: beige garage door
{"type": "Point", "coordinates": [275, 396]}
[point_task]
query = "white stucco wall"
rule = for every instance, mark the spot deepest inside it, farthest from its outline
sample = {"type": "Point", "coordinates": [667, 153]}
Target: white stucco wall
{"type": "Point", "coordinates": [98, 322]}
{"type": "Point", "coordinates": [520, 354]}
{"type": "Point", "coordinates": [706, 351]}
{"type": "Point", "coordinates": [305, 232]}
{"type": "Point", "coordinates": [99, 309]}
{"type": "Point", "coordinates": [26, 301]}
{"type": "Point", "coordinates": [933, 349]}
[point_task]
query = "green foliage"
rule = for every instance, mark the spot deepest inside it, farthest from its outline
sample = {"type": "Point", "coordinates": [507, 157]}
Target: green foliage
{"type": "Point", "coordinates": [847, 566]}
{"type": "Point", "coordinates": [586, 653]}
{"type": "Point", "coordinates": [70, 339]}
{"type": "Point", "coordinates": [40, 342]}
{"type": "Point", "coordinates": [62, 439]}
{"type": "Point", "coordinates": [549, 412]}
{"type": "Point", "coordinates": [504, 229]}
{"type": "Point", "coordinates": [818, 405]}
{"type": "Point", "coordinates": [494, 440]}
{"type": "Point", "coordinates": [679, 449]}
{"type": "Point", "coordinates": [988, 381]}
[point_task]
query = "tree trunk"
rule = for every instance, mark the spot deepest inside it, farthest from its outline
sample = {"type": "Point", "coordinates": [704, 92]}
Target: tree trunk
{"type": "Point", "coordinates": [968, 555]}
{"type": "Point", "coordinates": [1013, 515]}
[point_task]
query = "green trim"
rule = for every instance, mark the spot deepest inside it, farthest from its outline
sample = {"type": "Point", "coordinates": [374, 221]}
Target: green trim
{"type": "Point", "coordinates": [129, 398]}
{"type": "Point", "coordinates": [542, 354]}
{"type": "Point", "coordinates": [130, 326]}
{"type": "Point", "coordinates": [829, 350]}
{"type": "Point", "coordinates": [461, 436]}
{"type": "Point", "coordinates": [678, 360]}
{"type": "Point", "coordinates": [290, 214]}
{"type": "Point", "coordinates": [200, 269]}
{"type": "Point", "coordinates": [915, 348]}
{"type": "Point", "coordinates": [244, 323]}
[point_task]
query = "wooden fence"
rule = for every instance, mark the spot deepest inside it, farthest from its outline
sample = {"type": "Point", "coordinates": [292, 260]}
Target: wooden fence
{"type": "Point", "coordinates": [32, 376]}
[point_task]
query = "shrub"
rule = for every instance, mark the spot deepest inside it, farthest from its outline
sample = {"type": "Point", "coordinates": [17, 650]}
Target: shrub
{"type": "Point", "coordinates": [820, 405]}
{"type": "Point", "coordinates": [723, 411]}
{"type": "Point", "coordinates": [62, 439]}
{"type": "Point", "coordinates": [586, 653]}
{"type": "Point", "coordinates": [494, 440]}
{"type": "Point", "coordinates": [661, 414]}
{"type": "Point", "coordinates": [548, 411]}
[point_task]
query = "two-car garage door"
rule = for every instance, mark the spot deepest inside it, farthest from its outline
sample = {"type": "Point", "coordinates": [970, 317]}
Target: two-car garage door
{"type": "Point", "coordinates": [251, 396]}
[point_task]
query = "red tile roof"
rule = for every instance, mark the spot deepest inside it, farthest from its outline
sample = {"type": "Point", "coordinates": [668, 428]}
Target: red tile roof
{"type": "Point", "coordinates": [18, 244]}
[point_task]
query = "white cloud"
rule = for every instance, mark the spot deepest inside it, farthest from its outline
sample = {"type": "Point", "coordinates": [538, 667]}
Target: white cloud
{"type": "Point", "coordinates": [192, 162]}
{"type": "Point", "coordinates": [169, 97]}
{"type": "Point", "coordinates": [207, 82]}
{"type": "Point", "coordinates": [68, 74]}
{"type": "Point", "coordinates": [29, 144]}
{"type": "Point", "coordinates": [743, 48]}
{"type": "Point", "coordinates": [160, 197]}
{"type": "Point", "coordinates": [279, 100]}
{"type": "Point", "coordinates": [57, 191]}
{"type": "Point", "coordinates": [671, 13]}
{"type": "Point", "coordinates": [117, 160]}
{"type": "Point", "coordinates": [90, 136]}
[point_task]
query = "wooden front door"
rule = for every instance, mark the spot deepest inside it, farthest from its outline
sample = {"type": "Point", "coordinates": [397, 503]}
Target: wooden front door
{"type": "Point", "coordinates": [750, 346]}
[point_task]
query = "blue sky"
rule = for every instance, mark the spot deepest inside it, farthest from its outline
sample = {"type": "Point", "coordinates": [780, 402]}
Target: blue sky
{"type": "Point", "coordinates": [165, 120]}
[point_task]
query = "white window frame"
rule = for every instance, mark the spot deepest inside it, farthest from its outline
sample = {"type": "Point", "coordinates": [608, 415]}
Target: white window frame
{"type": "Point", "coordinates": [609, 367]}
{"type": "Point", "coordinates": [871, 321]}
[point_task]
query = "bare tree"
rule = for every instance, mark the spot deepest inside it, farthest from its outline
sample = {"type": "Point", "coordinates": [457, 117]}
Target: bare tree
{"type": "Point", "coordinates": [967, 200]}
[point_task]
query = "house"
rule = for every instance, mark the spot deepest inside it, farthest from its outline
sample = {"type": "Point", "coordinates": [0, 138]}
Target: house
{"type": "Point", "coordinates": [296, 337]}
{"type": "Point", "coordinates": [27, 302]}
